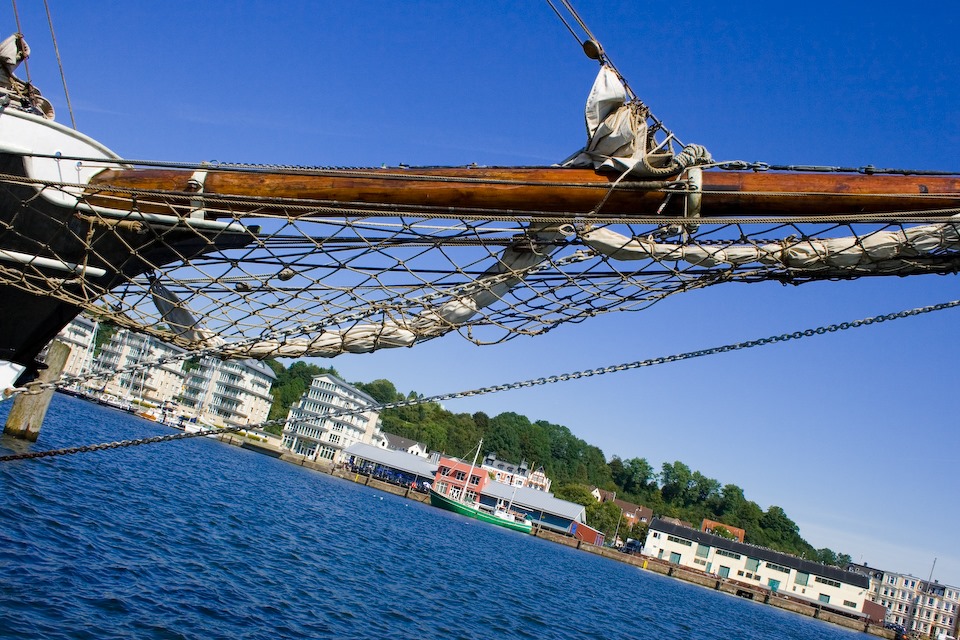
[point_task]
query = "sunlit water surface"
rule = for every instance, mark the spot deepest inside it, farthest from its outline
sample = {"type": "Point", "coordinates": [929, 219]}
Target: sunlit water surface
{"type": "Point", "coordinates": [197, 539]}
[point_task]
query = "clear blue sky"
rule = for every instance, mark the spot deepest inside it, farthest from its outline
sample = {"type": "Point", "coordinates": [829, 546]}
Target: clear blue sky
{"type": "Point", "coordinates": [854, 434]}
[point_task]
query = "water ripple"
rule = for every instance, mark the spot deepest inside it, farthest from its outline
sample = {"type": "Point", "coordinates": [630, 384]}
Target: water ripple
{"type": "Point", "coordinates": [196, 539]}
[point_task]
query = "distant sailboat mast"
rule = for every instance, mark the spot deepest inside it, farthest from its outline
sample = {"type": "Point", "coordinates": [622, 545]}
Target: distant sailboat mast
{"type": "Point", "coordinates": [473, 464]}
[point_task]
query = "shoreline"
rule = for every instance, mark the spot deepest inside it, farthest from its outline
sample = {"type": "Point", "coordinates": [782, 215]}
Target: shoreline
{"type": "Point", "coordinates": [640, 561]}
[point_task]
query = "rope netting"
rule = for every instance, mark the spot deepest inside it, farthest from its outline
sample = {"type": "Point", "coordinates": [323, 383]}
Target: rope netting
{"type": "Point", "coordinates": [291, 277]}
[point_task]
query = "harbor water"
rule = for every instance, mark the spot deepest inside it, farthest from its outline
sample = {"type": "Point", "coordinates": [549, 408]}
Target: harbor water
{"type": "Point", "coordinates": [198, 539]}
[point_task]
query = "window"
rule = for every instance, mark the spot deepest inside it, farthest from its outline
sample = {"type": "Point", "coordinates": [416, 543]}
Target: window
{"type": "Point", "coordinates": [442, 488]}
{"type": "Point", "coordinates": [826, 581]}
{"type": "Point", "coordinates": [474, 479]}
{"type": "Point", "coordinates": [444, 471]}
{"type": "Point", "coordinates": [471, 496]}
{"type": "Point", "coordinates": [327, 453]}
{"type": "Point", "coordinates": [848, 603]}
{"type": "Point", "coordinates": [752, 564]}
{"type": "Point", "coordinates": [729, 554]}
{"type": "Point", "coordinates": [777, 567]}
{"type": "Point", "coordinates": [824, 598]}
{"type": "Point", "coordinates": [686, 543]}
{"type": "Point", "coordinates": [703, 550]}
{"type": "Point", "coordinates": [459, 475]}
{"type": "Point", "coordinates": [802, 578]}
{"type": "Point", "coordinates": [674, 558]}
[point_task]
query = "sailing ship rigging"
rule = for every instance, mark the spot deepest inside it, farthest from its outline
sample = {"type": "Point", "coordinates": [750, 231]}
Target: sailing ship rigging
{"type": "Point", "coordinates": [243, 261]}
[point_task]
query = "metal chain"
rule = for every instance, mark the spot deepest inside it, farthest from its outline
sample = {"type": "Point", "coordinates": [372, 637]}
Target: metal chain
{"type": "Point", "coordinates": [576, 375]}
{"type": "Point", "coordinates": [741, 165]}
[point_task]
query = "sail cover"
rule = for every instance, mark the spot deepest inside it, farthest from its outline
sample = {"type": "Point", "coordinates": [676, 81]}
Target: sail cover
{"type": "Point", "coordinates": [616, 127]}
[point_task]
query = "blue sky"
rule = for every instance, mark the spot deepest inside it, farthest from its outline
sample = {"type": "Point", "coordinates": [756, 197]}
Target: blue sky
{"type": "Point", "coordinates": [853, 434]}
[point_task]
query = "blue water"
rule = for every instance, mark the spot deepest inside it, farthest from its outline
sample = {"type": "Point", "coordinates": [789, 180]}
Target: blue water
{"type": "Point", "coordinates": [197, 539]}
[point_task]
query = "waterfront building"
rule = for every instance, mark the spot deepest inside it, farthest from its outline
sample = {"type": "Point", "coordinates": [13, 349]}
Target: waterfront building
{"type": "Point", "coordinates": [517, 475]}
{"type": "Point", "coordinates": [506, 472]}
{"type": "Point", "coordinates": [459, 480]}
{"type": "Point", "coordinates": [79, 335]}
{"type": "Point", "coordinates": [314, 430]}
{"type": "Point", "coordinates": [920, 606]}
{"type": "Point", "coordinates": [396, 443]}
{"type": "Point", "coordinates": [230, 393]}
{"type": "Point", "coordinates": [832, 587]}
{"type": "Point", "coordinates": [399, 466]}
{"type": "Point", "coordinates": [538, 480]}
{"type": "Point", "coordinates": [153, 385]}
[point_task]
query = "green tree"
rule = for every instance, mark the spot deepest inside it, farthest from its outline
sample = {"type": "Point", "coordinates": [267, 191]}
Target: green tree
{"type": "Point", "coordinates": [504, 436]}
{"type": "Point", "coordinates": [723, 532]}
{"type": "Point", "coordinates": [826, 556]}
{"type": "Point", "coordinates": [676, 483]}
{"type": "Point", "coordinates": [380, 390]}
{"type": "Point", "coordinates": [633, 476]}
{"type": "Point", "coordinates": [577, 493]}
{"type": "Point", "coordinates": [639, 530]}
{"type": "Point", "coordinates": [606, 517]}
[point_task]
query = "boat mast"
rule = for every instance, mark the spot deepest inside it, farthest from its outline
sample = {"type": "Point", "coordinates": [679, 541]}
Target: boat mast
{"type": "Point", "coordinates": [470, 473]}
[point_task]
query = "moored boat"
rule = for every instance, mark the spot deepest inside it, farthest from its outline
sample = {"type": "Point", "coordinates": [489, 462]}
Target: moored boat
{"type": "Point", "coordinates": [499, 517]}
{"type": "Point", "coordinates": [449, 494]}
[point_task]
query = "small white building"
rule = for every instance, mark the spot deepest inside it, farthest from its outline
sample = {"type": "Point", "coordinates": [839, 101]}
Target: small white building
{"type": "Point", "coordinates": [394, 442]}
{"type": "Point", "coordinates": [314, 431]}
{"type": "Point", "coordinates": [780, 572]}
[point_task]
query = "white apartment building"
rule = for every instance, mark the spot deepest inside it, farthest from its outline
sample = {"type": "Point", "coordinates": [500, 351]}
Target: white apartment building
{"type": "Point", "coordinates": [228, 393]}
{"type": "Point", "coordinates": [920, 606]}
{"type": "Point", "coordinates": [780, 572]}
{"type": "Point", "coordinates": [312, 431]}
{"type": "Point", "coordinates": [79, 336]}
{"type": "Point", "coordinates": [153, 385]}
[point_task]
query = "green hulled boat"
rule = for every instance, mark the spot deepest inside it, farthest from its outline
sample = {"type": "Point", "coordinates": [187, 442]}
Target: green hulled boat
{"type": "Point", "coordinates": [499, 517]}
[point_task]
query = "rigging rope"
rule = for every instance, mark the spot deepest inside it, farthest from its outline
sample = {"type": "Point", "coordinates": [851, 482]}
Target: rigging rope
{"type": "Point", "coordinates": [63, 77]}
{"type": "Point", "coordinates": [20, 42]}
{"type": "Point", "coordinates": [576, 375]}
